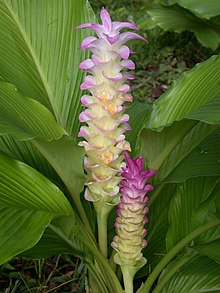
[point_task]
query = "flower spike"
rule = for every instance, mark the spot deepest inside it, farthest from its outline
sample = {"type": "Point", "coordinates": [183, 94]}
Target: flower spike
{"type": "Point", "coordinates": [106, 122]}
{"type": "Point", "coordinates": [132, 212]}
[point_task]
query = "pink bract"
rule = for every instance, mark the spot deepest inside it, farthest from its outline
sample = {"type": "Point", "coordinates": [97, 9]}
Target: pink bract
{"type": "Point", "coordinates": [132, 212]}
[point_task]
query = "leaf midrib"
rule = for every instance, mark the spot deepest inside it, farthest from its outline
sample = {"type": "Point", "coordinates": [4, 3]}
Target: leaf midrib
{"type": "Point", "coordinates": [34, 58]}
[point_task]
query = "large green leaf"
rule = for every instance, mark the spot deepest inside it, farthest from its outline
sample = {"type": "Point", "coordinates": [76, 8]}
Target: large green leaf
{"type": "Point", "coordinates": [52, 243]}
{"type": "Point", "coordinates": [183, 150]}
{"type": "Point", "coordinates": [183, 211]}
{"type": "Point", "coordinates": [207, 212]}
{"type": "Point", "coordinates": [178, 19]}
{"type": "Point", "coordinates": [25, 118]}
{"type": "Point", "coordinates": [39, 53]}
{"type": "Point", "coordinates": [211, 250]}
{"type": "Point", "coordinates": [194, 95]}
{"type": "Point", "coordinates": [157, 227]}
{"type": "Point", "coordinates": [25, 151]}
{"type": "Point", "coordinates": [29, 201]}
{"type": "Point", "coordinates": [66, 157]}
{"type": "Point", "coordinates": [201, 8]}
{"type": "Point", "coordinates": [49, 244]}
{"type": "Point", "coordinates": [200, 274]}
{"type": "Point", "coordinates": [139, 115]}
{"type": "Point", "coordinates": [62, 237]}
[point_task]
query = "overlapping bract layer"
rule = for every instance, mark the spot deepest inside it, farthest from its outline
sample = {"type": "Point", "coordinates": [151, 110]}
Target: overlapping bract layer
{"type": "Point", "coordinates": [132, 212]}
{"type": "Point", "coordinates": [105, 118]}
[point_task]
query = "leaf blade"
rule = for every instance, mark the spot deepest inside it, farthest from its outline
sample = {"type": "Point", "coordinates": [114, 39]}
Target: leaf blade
{"type": "Point", "coordinates": [29, 201]}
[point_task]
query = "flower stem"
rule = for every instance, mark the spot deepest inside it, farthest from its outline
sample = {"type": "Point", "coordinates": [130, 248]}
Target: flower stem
{"type": "Point", "coordinates": [169, 256]}
{"type": "Point", "coordinates": [128, 276]}
{"type": "Point", "coordinates": [102, 212]}
{"type": "Point", "coordinates": [102, 233]}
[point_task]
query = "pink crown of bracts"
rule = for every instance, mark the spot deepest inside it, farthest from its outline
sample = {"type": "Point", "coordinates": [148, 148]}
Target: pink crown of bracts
{"type": "Point", "coordinates": [105, 118]}
{"type": "Point", "coordinates": [132, 212]}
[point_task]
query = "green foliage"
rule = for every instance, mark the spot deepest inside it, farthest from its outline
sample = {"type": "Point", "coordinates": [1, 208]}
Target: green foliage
{"type": "Point", "coordinates": [196, 98]}
{"type": "Point", "coordinates": [196, 16]}
{"type": "Point", "coordinates": [200, 8]}
{"type": "Point", "coordinates": [29, 201]}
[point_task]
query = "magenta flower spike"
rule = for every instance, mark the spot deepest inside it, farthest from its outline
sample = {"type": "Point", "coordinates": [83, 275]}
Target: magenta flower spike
{"type": "Point", "coordinates": [105, 118]}
{"type": "Point", "coordinates": [132, 212]}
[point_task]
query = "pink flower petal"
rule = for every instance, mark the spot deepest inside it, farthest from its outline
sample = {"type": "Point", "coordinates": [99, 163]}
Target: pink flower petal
{"type": "Point", "coordinates": [96, 61]}
{"type": "Point", "coordinates": [124, 52]}
{"type": "Point", "coordinates": [124, 118]}
{"type": "Point", "coordinates": [83, 117]}
{"type": "Point", "coordinates": [118, 25]}
{"type": "Point", "coordinates": [127, 36]}
{"type": "Point", "coordinates": [88, 83]}
{"type": "Point", "coordinates": [86, 64]}
{"type": "Point", "coordinates": [84, 25]}
{"type": "Point", "coordinates": [98, 28]}
{"type": "Point", "coordinates": [129, 76]}
{"type": "Point", "coordinates": [126, 126]}
{"type": "Point", "coordinates": [128, 64]}
{"type": "Point", "coordinates": [124, 88]}
{"type": "Point", "coordinates": [114, 78]}
{"type": "Point", "coordinates": [112, 39]}
{"type": "Point", "coordinates": [106, 20]}
{"type": "Point", "coordinates": [85, 132]}
{"type": "Point", "coordinates": [87, 100]}
{"type": "Point", "coordinates": [87, 41]}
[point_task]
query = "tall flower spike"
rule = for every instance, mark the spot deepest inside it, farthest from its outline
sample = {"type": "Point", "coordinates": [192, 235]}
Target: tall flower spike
{"type": "Point", "coordinates": [131, 219]}
{"type": "Point", "coordinates": [104, 116]}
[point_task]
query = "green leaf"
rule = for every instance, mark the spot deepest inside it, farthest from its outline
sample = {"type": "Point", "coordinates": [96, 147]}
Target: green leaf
{"type": "Point", "coordinates": [183, 210]}
{"type": "Point", "coordinates": [178, 19]}
{"type": "Point", "coordinates": [52, 243]}
{"type": "Point", "coordinates": [39, 53]}
{"type": "Point", "coordinates": [201, 8]}
{"type": "Point", "coordinates": [66, 157]}
{"type": "Point", "coordinates": [212, 250]}
{"type": "Point", "coordinates": [139, 115]}
{"type": "Point", "coordinates": [62, 236]}
{"type": "Point", "coordinates": [200, 274]}
{"type": "Point", "coordinates": [25, 152]}
{"type": "Point", "coordinates": [194, 95]}
{"type": "Point", "coordinates": [28, 202]}
{"type": "Point", "coordinates": [67, 160]}
{"type": "Point", "coordinates": [25, 118]}
{"type": "Point", "coordinates": [183, 150]}
{"type": "Point", "coordinates": [206, 212]}
{"type": "Point", "coordinates": [49, 244]}
{"type": "Point", "coordinates": [157, 227]}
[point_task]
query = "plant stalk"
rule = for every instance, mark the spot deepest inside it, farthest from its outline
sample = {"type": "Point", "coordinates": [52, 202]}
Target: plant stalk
{"type": "Point", "coordinates": [102, 212]}
{"type": "Point", "coordinates": [170, 255]}
{"type": "Point", "coordinates": [102, 219]}
{"type": "Point", "coordinates": [128, 273]}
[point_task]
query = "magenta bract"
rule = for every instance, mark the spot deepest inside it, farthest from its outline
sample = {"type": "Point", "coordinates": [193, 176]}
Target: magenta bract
{"type": "Point", "coordinates": [132, 212]}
